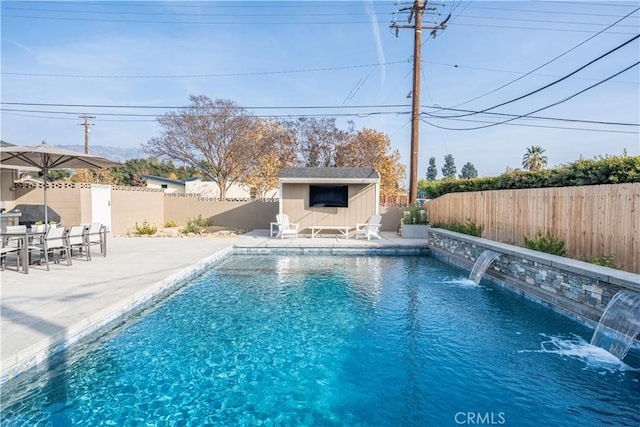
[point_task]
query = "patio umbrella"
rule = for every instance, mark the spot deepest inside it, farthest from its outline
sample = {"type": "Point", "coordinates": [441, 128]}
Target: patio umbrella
{"type": "Point", "coordinates": [46, 157]}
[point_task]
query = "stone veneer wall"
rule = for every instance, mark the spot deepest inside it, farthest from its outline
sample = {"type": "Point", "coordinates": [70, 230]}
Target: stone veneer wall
{"type": "Point", "coordinates": [578, 289]}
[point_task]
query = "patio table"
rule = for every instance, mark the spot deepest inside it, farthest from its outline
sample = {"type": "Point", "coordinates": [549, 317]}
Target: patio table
{"type": "Point", "coordinates": [343, 229]}
{"type": "Point", "coordinates": [23, 239]}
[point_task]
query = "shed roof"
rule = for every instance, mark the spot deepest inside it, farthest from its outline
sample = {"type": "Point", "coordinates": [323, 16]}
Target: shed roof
{"type": "Point", "coordinates": [161, 179]}
{"type": "Point", "coordinates": [329, 175]}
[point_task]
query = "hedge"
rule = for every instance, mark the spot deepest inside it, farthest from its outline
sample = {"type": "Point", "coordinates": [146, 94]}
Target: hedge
{"type": "Point", "coordinates": [606, 170]}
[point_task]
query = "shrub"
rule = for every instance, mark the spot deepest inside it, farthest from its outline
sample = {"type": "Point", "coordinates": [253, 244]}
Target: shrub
{"type": "Point", "coordinates": [415, 214]}
{"type": "Point", "coordinates": [546, 242]}
{"type": "Point", "coordinates": [171, 224]}
{"type": "Point", "coordinates": [195, 225]}
{"type": "Point", "coordinates": [604, 261]}
{"type": "Point", "coordinates": [146, 229]}
{"type": "Point", "coordinates": [470, 228]}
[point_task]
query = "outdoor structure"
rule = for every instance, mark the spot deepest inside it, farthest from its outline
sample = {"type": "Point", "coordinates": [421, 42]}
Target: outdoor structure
{"type": "Point", "coordinates": [166, 184]}
{"type": "Point", "coordinates": [332, 197]}
{"type": "Point", "coordinates": [196, 185]}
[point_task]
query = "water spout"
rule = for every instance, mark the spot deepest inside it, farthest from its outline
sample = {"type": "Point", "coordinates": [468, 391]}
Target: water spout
{"type": "Point", "coordinates": [619, 324]}
{"type": "Point", "coordinates": [482, 263]}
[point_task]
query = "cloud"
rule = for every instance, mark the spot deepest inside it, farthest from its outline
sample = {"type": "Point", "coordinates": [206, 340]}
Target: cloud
{"type": "Point", "coordinates": [21, 46]}
{"type": "Point", "coordinates": [376, 36]}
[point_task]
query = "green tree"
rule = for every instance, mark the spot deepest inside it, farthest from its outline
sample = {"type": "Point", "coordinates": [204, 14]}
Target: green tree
{"type": "Point", "coordinates": [432, 170]}
{"type": "Point", "coordinates": [58, 175]}
{"type": "Point", "coordinates": [468, 171]}
{"type": "Point", "coordinates": [131, 170]}
{"type": "Point", "coordinates": [449, 169]}
{"type": "Point", "coordinates": [534, 159]}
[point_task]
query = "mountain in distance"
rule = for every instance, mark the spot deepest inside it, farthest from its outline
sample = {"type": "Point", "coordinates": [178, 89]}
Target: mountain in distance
{"type": "Point", "coordinates": [117, 154]}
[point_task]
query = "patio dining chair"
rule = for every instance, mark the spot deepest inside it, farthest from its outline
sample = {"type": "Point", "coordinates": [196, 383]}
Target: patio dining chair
{"type": "Point", "coordinates": [369, 229]}
{"type": "Point", "coordinates": [9, 250]}
{"type": "Point", "coordinates": [286, 228]}
{"type": "Point", "coordinates": [76, 241]}
{"type": "Point", "coordinates": [54, 242]}
{"type": "Point", "coordinates": [96, 234]}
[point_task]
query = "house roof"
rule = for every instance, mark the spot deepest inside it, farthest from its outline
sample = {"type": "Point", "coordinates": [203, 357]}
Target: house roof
{"type": "Point", "coordinates": [329, 175]}
{"type": "Point", "coordinates": [161, 179]}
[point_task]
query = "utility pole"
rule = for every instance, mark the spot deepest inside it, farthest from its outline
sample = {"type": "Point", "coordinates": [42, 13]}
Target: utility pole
{"type": "Point", "coordinates": [417, 11]}
{"type": "Point", "coordinates": [86, 125]}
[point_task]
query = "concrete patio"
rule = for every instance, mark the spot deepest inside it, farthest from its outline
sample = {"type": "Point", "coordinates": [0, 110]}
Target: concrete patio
{"type": "Point", "coordinates": [44, 310]}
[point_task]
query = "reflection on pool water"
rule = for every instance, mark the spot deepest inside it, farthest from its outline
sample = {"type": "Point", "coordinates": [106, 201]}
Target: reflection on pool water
{"type": "Point", "coordinates": [337, 340]}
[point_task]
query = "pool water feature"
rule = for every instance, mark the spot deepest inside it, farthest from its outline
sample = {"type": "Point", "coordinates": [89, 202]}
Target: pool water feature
{"type": "Point", "coordinates": [619, 324]}
{"type": "Point", "coordinates": [336, 340]}
{"type": "Point", "coordinates": [482, 263]}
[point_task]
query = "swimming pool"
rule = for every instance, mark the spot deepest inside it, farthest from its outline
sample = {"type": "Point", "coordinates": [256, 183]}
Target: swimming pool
{"type": "Point", "coordinates": [336, 340]}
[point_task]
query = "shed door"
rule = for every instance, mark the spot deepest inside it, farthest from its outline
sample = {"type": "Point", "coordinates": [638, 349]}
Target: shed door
{"type": "Point", "coordinates": [101, 204]}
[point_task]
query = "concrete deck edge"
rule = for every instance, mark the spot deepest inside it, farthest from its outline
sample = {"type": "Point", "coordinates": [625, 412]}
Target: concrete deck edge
{"type": "Point", "coordinates": [31, 357]}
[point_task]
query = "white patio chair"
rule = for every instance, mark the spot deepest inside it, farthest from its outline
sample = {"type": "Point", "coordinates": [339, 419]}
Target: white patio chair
{"type": "Point", "coordinates": [55, 240]}
{"type": "Point", "coordinates": [286, 228]}
{"type": "Point", "coordinates": [76, 240]}
{"type": "Point", "coordinates": [96, 234]}
{"type": "Point", "coordinates": [12, 243]}
{"type": "Point", "coordinates": [9, 250]}
{"type": "Point", "coordinates": [370, 229]}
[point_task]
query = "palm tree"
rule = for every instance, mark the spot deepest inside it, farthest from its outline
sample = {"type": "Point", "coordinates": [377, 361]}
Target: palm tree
{"type": "Point", "coordinates": [533, 159]}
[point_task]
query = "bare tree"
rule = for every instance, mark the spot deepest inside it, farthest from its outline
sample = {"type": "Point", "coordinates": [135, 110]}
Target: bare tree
{"type": "Point", "coordinates": [216, 137]}
{"type": "Point", "coordinates": [317, 139]}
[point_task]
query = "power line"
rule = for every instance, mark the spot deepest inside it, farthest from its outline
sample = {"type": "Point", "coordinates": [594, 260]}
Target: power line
{"type": "Point", "coordinates": [238, 5]}
{"type": "Point", "coordinates": [199, 14]}
{"type": "Point", "coordinates": [282, 23]}
{"type": "Point", "coordinates": [535, 126]}
{"type": "Point", "coordinates": [556, 81]}
{"type": "Point", "coordinates": [167, 107]}
{"type": "Point", "coordinates": [289, 116]}
{"type": "Point", "coordinates": [287, 15]}
{"type": "Point", "coordinates": [539, 109]}
{"type": "Point", "coordinates": [316, 107]}
{"type": "Point", "coordinates": [548, 62]}
{"type": "Point", "coordinates": [256, 73]}
{"type": "Point", "coordinates": [554, 12]}
{"type": "Point", "coordinates": [561, 119]}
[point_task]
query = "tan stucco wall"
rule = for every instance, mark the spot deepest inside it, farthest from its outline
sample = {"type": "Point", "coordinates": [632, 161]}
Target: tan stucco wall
{"type": "Point", "coordinates": [391, 217]}
{"type": "Point", "coordinates": [131, 205]}
{"type": "Point", "coordinates": [295, 203]}
{"type": "Point", "coordinates": [67, 199]}
{"type": "Point", "coordinates": [7, 194]}
{"type": "Point", "coordinates": [234, 214]}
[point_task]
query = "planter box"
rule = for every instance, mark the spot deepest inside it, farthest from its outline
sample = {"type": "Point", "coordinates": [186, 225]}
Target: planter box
{"type": "Point", "coordinates": [414, 231]}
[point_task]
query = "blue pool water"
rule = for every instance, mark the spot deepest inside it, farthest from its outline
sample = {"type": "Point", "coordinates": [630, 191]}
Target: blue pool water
{"type": "Point", "coordinates": [329, 340]}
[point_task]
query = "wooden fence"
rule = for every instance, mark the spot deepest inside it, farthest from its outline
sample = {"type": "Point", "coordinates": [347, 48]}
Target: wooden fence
{"type": "Point", "coordinates": [598, 220]}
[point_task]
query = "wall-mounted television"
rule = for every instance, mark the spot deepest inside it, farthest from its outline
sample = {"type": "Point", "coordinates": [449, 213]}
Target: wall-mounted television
{"type": "Point", "coordinates": [329, 196]}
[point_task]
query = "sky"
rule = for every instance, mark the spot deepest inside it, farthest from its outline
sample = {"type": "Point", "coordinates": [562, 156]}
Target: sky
{"type": "Point", "coordinates": [124, 63]}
